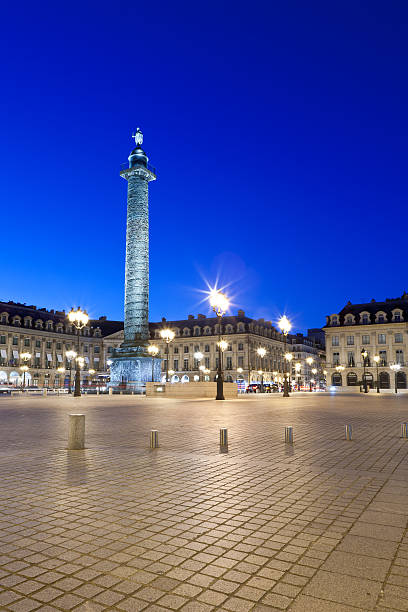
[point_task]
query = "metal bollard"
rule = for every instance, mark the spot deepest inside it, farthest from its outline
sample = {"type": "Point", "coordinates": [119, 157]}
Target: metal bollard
{"type": "Point", "coordinates": [76, 437]}
{"type": "Point", "coordinates": [154, 438]}
{"type": "Point", "coordinates": [348, 432]}
{"type": "Point", "coordinates": [223, 437]}
{"type": "Point", "coordinates": [404, 430]}
{"type": "Point", "coordinates": [45, 392]}
{"type": "Point", "coordinates": [110, 390]}
{"type": "Point", "coordinates": [289, 434]}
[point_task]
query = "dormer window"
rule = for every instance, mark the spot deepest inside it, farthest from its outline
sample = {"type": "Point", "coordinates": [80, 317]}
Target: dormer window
{"type": "Point", "coordinates": [349, 320]}
{"type": "Point", "coordinates": [4, 318]}
{"type": "Point", "coordinates": [39, 324]}
{"type": "Point", "coordinates": [334, 320]}
{"type": "Point", "coordinates": [49, 325]}
{"type": "Point", "coordinates": [97, 332]}
{"type": "Point", "coordinates": [364, 319]}
{"type": "Point", "coordinates": [397, 316]}
{"type": "Point", "coordinates": [186, 331]}
{"type": "Point", "coordinates": [16, 320]}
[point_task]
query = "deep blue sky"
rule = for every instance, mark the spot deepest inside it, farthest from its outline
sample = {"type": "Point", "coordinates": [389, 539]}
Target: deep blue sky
{"type": "Point", "coordinates": [279, 131]}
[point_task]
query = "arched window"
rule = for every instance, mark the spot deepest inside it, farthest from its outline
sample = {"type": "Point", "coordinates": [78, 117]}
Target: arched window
{"type": "Point", "coordinates": [186, 331]}
{"type": "Point", "coordinates": [39, 324]}
{"type": "Point", "coordinates": [241, 327]}
{"type": "Point", "coordinates": [97, 332]}
{"type": "Point", "coordinates": [229, 329]}
{"type": "Point", "coordinates": [384, 379]}
{"type": "Point", "coordinates": [336, 380]}
{"type": "Point", "coordinates": [4, 318]}
{"type": "Point", "coordinates": [364, 318]}
{"type": "Point", "coordinates": [352, 379]}
{"type": "Point", "coordinates": [60, 328]}
{"type": "Point", "coordinates": [334, 320]}
{"type": "Point", "coordinates": [401, 380]}
{"type": "Point", "coordinates": [349, 320]}
{"type": "Point", "coordinates": [197, 330]}
{"type": "Point", "coordinates": [380, 317]}
{"type": "Point", "coordinates": [207, 330]}
{"type": "Point", "coordinates": [185, 379]}
{"type": "Point", "coordinates": [228, 378]}
{"type": "Point", "coordinates": [49, 325]}
{"type": "Point", "coordinates": [28, 322]}
{"type": "Point", "coordinates": [16, 320]}
{"type": "Point", "coordinates": [397, 315]}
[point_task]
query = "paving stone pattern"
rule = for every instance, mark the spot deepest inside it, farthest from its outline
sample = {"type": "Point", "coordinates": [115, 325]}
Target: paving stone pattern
{"type": "Point", "coordinates": [320, 525]}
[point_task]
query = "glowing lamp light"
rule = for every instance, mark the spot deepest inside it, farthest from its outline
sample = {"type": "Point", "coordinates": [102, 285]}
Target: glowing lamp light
{"type": "Point", "coordinates": [285, 325]}
{"type": "Point", "coordinates": [167, 335]}
{"type": "Point", "coordinates": [309, 360]}
{"type": "Point", "coordinates": [261, 352]}
{"type": "Point", "coordinates": [288, 356]}
{"type": "Point", "coordinates": [153, 350]}
{"type": "Point", "coordinates": [240, 370]}
{"type": "Point", "coordinates": [223, 344]}
{"type": "Point", "coordinates": [198, 356]}
{"type": "Point", "coordinates": [202, 368]}
{"type": "Point", "coordinates": [70, 355]}
{"type": "Point", "coordinates": [395, 367]}
{"type": "Point", "coordinates": [109, 362]}
{"type": "Point", "coordinates": [25, 356]}
{"type": "Point", "coordinates": [339, 368]}
{"type": "Point", "coordinates": [24, 368]}
{"type": "Point", "coordinates": [219, 302]}
{"type": "Point", "coordinates": [80, 361]}
{"type": "Point", "coordinates": [91, 372]}
{"type": "Point", "coordinates": [298, 367]}
{"type": "Point", "coordinates": [78, 317]}
{"type": "Point", "coordinates": [376, 358]}
{"type": "Point", "coordinates": [314, 371]}
{"type": "Point", "coordinates": [61, 370]}
{"type": "Point", "coordinates": [260, 372]}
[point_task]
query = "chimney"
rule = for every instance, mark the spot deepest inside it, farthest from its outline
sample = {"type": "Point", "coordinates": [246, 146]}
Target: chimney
{"type": "Point", "coordinates": [102, 318]}
{"type": "Point", "coordinates": [241, 313]}
{"type": "Point", "coordinates": [190, 317]}
{"type": "Point", "coordinates": [201, 316]}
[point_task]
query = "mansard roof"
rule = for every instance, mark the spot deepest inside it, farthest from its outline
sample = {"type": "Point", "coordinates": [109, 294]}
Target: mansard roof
{"type": "Point", "coordinates": [373, 307]}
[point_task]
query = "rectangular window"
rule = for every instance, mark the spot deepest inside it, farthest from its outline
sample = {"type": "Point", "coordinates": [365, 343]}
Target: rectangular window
{"type": "Point", "coordinates": [196, 348]}
{"type": "Point", "coordinates": [175, 367]}
{"type": "Point", "coordinates": [38, 344]}
{"type": "Point", "coordinates": [335, 341]}
{"type": "Point", "coordinates": [350, 340]}
{"type": "Point", "coordinates": [240, 346]}
{"type": "Point", "coordinates": [59, 346]}
{"type": "Point", "coordinates": [175, 350]}
{"type": "Point", "coordinates": [399, 356]}
{"type": "Point", "coordinates": [49, 344]}
{"type": "Point", "coordinates": [186, 349]}
{"type": "Point", "coordinates": [366, 339]}
{"type": "Point", "coordinates": [350, 360]}
{"type": "Point", "coordinates": [216, 363]}
{"type": "Point", "coordinates": [85, 348]}
{"type": "Point", "coordinates": [2, 339]}
{"type": "Point", "coordinates": [383, 358]}
{"type": "Point", "coordinates": [97, 349]}
{"type": "Point", "coordinates": [207, 363]}
{"type": "Point", "coordinates": [207, 349]}
{"type": "Point", "coordinates": [229, 363]}
{"type": "Point", "coordinates": [397, 316]}
{"type": "Point", "coordinates": [382, 339]}
{"type": "Point", "coordinates": [26, 341]}
{"type": "Point", "coordinates": [398, 337]}
{"type": "Point", "coordinates": [336, 359]}
{"type": "Point", "coordinates": [110, 350]}
{"type": "Point", "coordinates": [185, 366]}
{"type": "Point", "coordinates": [240, 361]}
{"type": "Point", "coordinates": [15, 340]}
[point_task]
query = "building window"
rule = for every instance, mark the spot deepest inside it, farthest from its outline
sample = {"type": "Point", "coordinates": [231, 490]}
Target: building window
{"type": "Point", "coordinates": [186, 349]}
{"type": "Point", "coordinates": [185, 366]}
{"type": "Point", "coordinates": [240, 346]}
{"type": "Point", "coordinates": [397, 316]}
{"type": "Point", "coordinates": [176, 350]}
{"type": "Point", "coordinates": [364, 319]}
{"type": "Point", "coordinates": [26, 341]}
{"type": "Point", "coordinates": [48, 344]}
{"type": "Point", "coordinates": [4, 318]}
{"type": "Point", "coordinates": [97, 349]}
{"type": "Point", "coordinates": [350, 340]}
{"type": "Point", "coordinates": [229, 363]}
{"type": "Point", "coordinates": [240, 361]}
{"type": "Point", "coordinates": [2, 339]}
{"type": "Point", "coordinates": [38, 344]}
{"type": "Point", "coordinates": [380, 318]}
{"type": "Point", "coordinates": [382, 339]}
{"type": "Point", "coordinates": [59, 346]}
{"type": "Point", "coordinates": [398, 337]}
{"type": "Point", "coordinates": [399, 356]}
{"type": "Point", "coordinates": [335, 341]}
{"type": "Point", "coordinates": [350, 360]}
{"type": "Point", "coordinates": [15, 340]}
{"type": "Point", "coordinates": [366, 339]}
{"type": "Point", "coordinates": [207, 348]}
{"type": "Point", "coordinates": [349, 321]}
{"type": "Point", "coordinates": [336, 359]}
{"type": "Point", "coordinates": [175, 367]}
{"type": "Point", "coordinates": [207, 362]}
{"type": "Point", "coordinates": [110, 350]}
{"type": "Point", "coordinates": [383, 358]}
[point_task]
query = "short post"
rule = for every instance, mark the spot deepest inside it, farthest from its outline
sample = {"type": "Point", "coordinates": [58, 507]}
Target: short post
{"type": "Point", "coordinates": [223, 437]}
{"type": "Point", "coordinates": [348, 432]}
{"type": "Point", "coordinates": [45, 392]}
{"type": "Point", "coordinates": [289, 434]}
{"type": "Point", "coordinates": [76, 437]}
{"type": "Point", "coordinates": [110, 390]}
{"type": "Point", "coordinates": [154, 438]}
{"type": "Point", "coordinates": [404, 430]}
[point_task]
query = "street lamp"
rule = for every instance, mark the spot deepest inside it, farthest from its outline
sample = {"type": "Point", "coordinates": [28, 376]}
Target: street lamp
{"type": "Point", "coordinates": [91, 373]}
{"type": "Point", "coordinates": [309, 361]}
{"type": "Point", "coordinates": [153, 350]}
{"type": "Point", "coordinates": [170, 373]}
{"type": "Point", "coordinates": [78, 319]}
{"type": "Point", "coordinates": [262, 352]}
{"type": "Point", "coordinates": [26, 356]}
{"type": "Point", "coordinates": [219, 303]}
{"type": "Point", "coordinates": [298, 367]}
{"type": "Point", "coordinates": [314, 372]}
{"type": "Point", "coordinates": [70, 355]}
{"type": "Point", "coordinates": [202, 369]}
{"type": "Point", "coordinates": [377, 361]}
{"type": "Point", "coordinates": [60, 370]}
{"type": "Point", "coordinates": [395, 367]}
{"type": "Point", "coordinates": [167, 335]}
{"type": "Point", "coordinates": [198, 356]}
{"type": "Point", "coordinates": [289, 357]}
{"type": "Point", "coordinates": [285, 326]}
{"type": "Point", "coordinates": [364, 355]}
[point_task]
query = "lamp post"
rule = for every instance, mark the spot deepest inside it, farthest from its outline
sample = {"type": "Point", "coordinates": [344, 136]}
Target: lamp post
{"type": "Point", "coordinates": [377, 361]}
{"type": "Point", "coordinates": [202, 369]}
{"type": "Point", "coordinates": [261, 351]}
{"type": "Point", "coordinates": [298, 367]}
{"type": "Point", "coordinates": [153, 350]}
{"type": "Point", "coordinates": [91, 373]}
{"type": "Point", "coordinates": [309, 361]}
{"type": "Point", "coordinates": [289, 357]}
{"type": "Point", "coordinates": [314, 372]}
{"type": "Point", "coordinates": [395, 367]}
{"type": "Point", "coordinates": [61, 370]}
{"type": "Point", "coordinates": [26, 356]}
{"type": "Point", "coordinates": [364, 355]}
{"type": "Point", "coordinates": [285, 326]}
{"type": "Point", "coordinates": [219, 303]}
{"type": "Point", "coordinates": [198, 356]}
{"type": "Point", "coordinates": [70, 355]}
{"type": "Point", "coordinates": [79, 320]}
{"type": "Point", "coordinates": [167, 335]}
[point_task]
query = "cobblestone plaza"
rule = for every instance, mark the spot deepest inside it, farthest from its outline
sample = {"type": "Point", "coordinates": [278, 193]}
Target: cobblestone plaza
{"type": "Point", "coordinates": [320, 525]}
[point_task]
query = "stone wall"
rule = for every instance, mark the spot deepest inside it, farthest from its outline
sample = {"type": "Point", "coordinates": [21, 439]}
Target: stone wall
{"type": "Point", "coordinates": [191, 390]}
